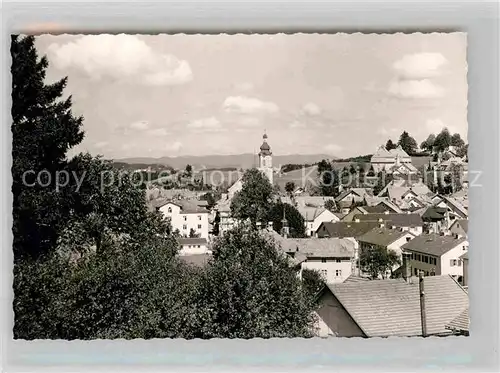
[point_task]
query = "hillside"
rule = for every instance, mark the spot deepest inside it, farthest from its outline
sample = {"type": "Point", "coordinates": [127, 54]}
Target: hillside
{"type": "Point", "coordinates": [224, 161]}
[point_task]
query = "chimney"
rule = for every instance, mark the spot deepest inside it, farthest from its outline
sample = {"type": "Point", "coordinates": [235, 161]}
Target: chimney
{"type": "Point", "coordinates": [406, 266]}
{"type": "Point", "coordinates": [423, 317]}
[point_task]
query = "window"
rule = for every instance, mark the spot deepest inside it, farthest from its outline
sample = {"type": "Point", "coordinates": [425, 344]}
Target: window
{"type": "Point", "coordinates": [185, 218]}
{"type": "Point", "coordinates": [184, 226]}
{"type": "Point", "coordinates": [427, 273]}
{"type": "Point", "coordinates": [426, 259]}
{"type": "Point", "coordinates": [459, 263]}
{"type": "Point", "coordinates": [453, 262]}
{"type": "Point", "coordinates": [170, 210]}
{"type": "Point", "coordinates": [199, 217]}
{"type": "Point", "coordinates": [199, 226]}
{"type": "Point", "coordinates": [415, 271]}
{"type": "Point", "coordinates": [338, 273]}
{"type": "Point", "coordinates": [198, 246]}
{"type": "Point", "coordinates": [323, 260]}
{"type": "Point", "coordinates": [324, 273]}
{"type": "Point", "coordinates": [338, 261]}
{"type": "Point", "coordinates": [464, 248]}
{"type": "Point", "coordinates": [434, 261]}
{"type": "Point", "coordinates": [408, 239]}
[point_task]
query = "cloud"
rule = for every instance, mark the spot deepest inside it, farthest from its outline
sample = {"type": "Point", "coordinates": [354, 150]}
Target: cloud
{"type": "Point", "coordinates": [251, 122]}
{"type": "Point", "coordinates": [140, 125]}
{"type": "Point", "coordinates": [158, 132]}
{"type": "Point", "coordinates": [175, 146]}
{"type": "Point", "coordinates": [311, 109]}
{"type": "Point", "coordinates": [332, 148]}
{"type": "Point", "coordinates": [244, 86]}
{"type": "Point", "coordinates": [414, 73]}
{"type": "Point", "coordinates": [210, 124]}
{"type": "Point", "coordinates": [436, 125]}
{"type": "Point", "coordinates": [101, 144]}
{"type": "Point", "coordinates": [420, 65]}
{"type": "Point", "coordinates": [424, 88]}
{"type": "Point", "coordinates": [124, 57]}
{"type": "Point", "coordinates": [248, 105]}
{"type": "Point", "coordinates": [388, 132]}
{"type": "Point", "coordinates": [297, 124]}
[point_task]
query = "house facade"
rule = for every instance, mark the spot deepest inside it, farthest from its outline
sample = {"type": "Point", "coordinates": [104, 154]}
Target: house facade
{"type": "Point", "coordinates": [186, 217]}
{"type": "Point", "coordinates": [333, 258]}
{"type": "Point", "coordinates": [385, 239]}
{"type": "Point", "coordinates": [385, 160]}
{"type": "Point", "coordinates": [193, 246]}
{"type": "Point", "coordinates": [313, 217]}
{"type": "Point", "coordinates": [436, 254]}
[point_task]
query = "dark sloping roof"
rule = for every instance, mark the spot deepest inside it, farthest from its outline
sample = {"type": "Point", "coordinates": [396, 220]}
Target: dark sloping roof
{"type": "Point", "coordinates": [347, 228]}
{"type": "Point", "coordinates": [384, 308]}
{"type": "Point", "coordinates": [398, 220]}
{"type": "Point", "coordinates": [434, 213]}
{"type": "Point", "coordinates": [315, 247]}
{"type": "Point", "coordinates": [354, 278]}
{"type": "Point", "coordinates": [433, 244]}
{"type": "Point", "coordinates": [187, 207]}
{"type": "Point", "coordinates": [192, 241]}
{"type": "Point", "coordinates": [382, 236]}
{"type": "Point", "coordinates": [461, 322]}
{"type": "Point", "coordinates": [464, 224]}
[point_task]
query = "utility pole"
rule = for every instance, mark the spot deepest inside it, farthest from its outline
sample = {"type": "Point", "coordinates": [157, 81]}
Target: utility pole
{"type": "Point", "coordinates": [422, 304]}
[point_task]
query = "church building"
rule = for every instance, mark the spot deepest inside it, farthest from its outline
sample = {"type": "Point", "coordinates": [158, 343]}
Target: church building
{"type": "Point", "coordinates": [266, 159]}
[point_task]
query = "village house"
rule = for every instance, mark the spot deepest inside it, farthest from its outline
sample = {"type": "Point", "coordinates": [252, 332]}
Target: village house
{"type": "Point", "coordinates": [465, 264]}
{"type": "Point", "coordinates": [455, 208]}
{"type": "Point", "coordinates": [385, 160]}
{"type": "Point", "coordinates": [392, 307]}
{"type": "Point", "coordinates": [333, 258]}
{"type": "Point", "coordinates": [307, 201]}
{"type": "Point", "coordinates": [402, 195]}
{"type": "Point", "coordinates": [437, 254]}
{"type": "Point", "coordinates": [412, 223]}
{"type": "Point", "coordinates": [385, 239]}
{"type": "Point", "coordinates": [314, 216]}
{"type": "Point", "coordinates": [460, 227]}
{"type": "Point", "coordinates": [193, 246]}
{"type": "Point", "coordinates": [186, 217]}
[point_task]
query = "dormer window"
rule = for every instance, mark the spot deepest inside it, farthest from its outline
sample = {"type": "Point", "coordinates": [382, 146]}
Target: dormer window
{"type": "Point", "coordinates": [169, 210]}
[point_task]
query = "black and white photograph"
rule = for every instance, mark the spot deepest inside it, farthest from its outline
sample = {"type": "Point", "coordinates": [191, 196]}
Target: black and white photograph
{"type": "Point", "coordinates": [240, 185]}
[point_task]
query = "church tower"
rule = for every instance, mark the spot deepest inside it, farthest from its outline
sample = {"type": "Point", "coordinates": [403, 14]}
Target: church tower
{"type": "Point", "coordinates": [266, 159]}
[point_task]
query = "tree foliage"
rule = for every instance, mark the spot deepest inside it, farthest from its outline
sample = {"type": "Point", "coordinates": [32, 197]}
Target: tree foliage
{"type": "Point", "coordinates": [428, 144]}
{"type": "Point", "coordinates": [331, 205]}
{"type": "Point", "coordinates": [43, 130]}
{"type": "Point", "coordinates": [456, 141]}
{"type": "Point", "coordinates": [253, 201]}
{"type": "Point", "coordinates": [328, 178]}
{"type": "Point", "coordinates": [407, 143]}
{"type": "Point", "coordinates": [252, 291]}
{"type": "Point", "coordinates": [378, 261]}
{"type": "Point", "coordinates": [295, 220]}
{"type": "Point", "coordinates": [443, 140]}
{"type": "Point", "coordinates": [390, 145]}
{"type": "Point", "coordinates": [290, 187]}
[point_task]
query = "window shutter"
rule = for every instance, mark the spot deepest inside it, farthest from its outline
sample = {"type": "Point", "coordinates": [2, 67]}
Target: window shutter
{"type": "Point", "coordinates": [451, 262]}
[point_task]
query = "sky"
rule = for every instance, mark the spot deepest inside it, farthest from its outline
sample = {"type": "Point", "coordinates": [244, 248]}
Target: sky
{"type": "Point", "coordinates": [336, 94]}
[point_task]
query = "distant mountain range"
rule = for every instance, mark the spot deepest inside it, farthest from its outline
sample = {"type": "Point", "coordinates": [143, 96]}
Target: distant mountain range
{"type": "Point", "coordinates": [223, 161]}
